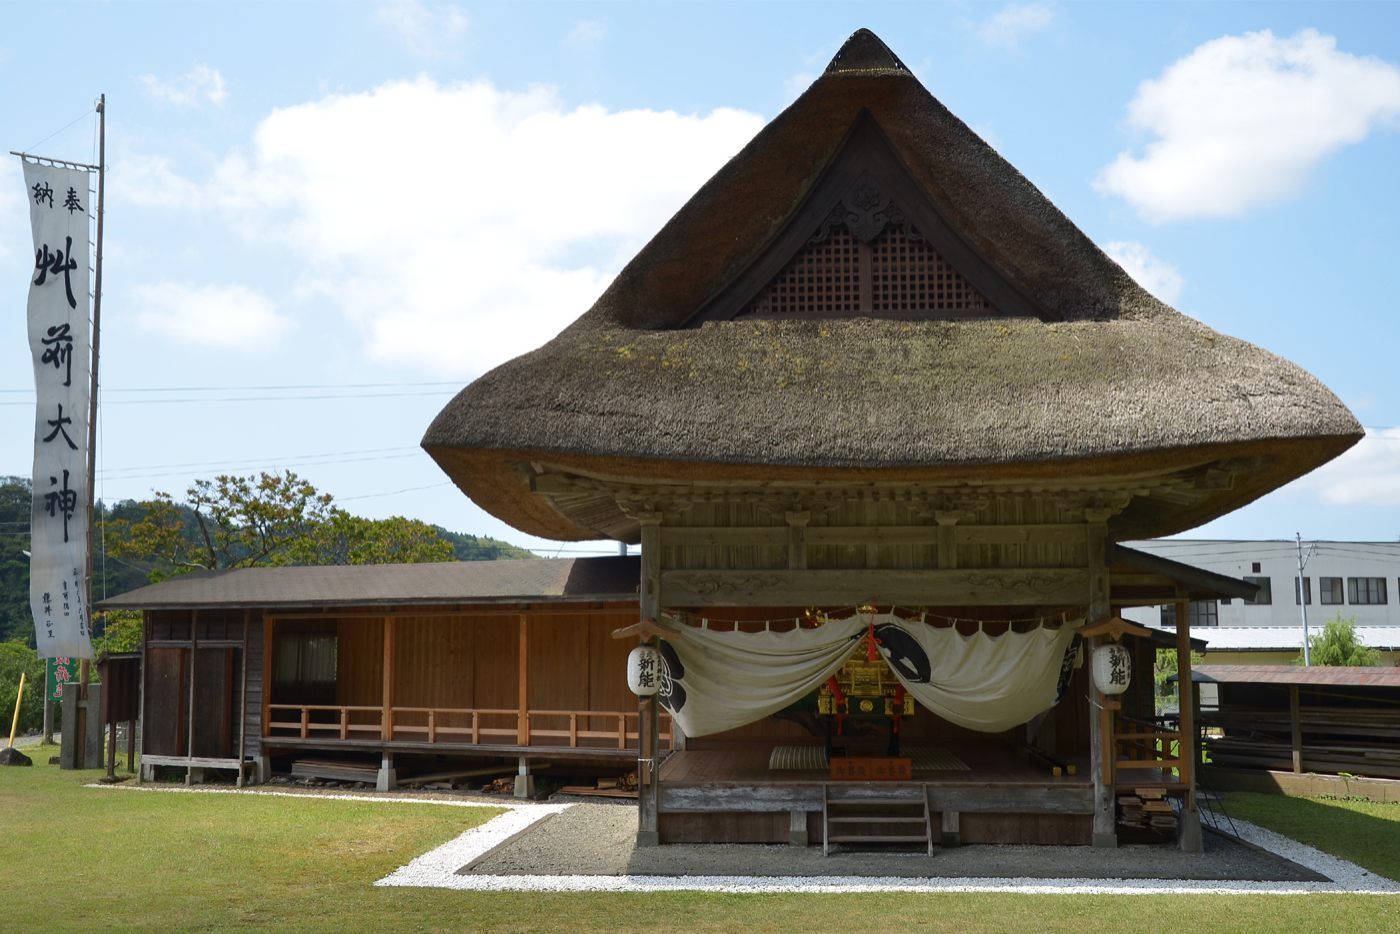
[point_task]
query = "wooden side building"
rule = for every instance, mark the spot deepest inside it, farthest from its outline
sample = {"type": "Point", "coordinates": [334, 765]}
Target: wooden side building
{"type": "Point", "coordinates": [503, 660]}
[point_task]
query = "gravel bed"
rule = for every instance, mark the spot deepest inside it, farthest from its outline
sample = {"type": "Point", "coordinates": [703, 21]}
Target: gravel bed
{"type": "Point", "coordinates": [598, 840]}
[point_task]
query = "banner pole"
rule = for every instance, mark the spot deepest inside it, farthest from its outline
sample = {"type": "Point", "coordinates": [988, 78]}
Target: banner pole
{"type": "Point", "coordinates": [84, 672]}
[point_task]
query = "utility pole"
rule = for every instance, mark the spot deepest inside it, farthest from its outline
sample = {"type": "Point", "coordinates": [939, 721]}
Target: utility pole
{"type": "Point", "coordinates": [1303, 598]}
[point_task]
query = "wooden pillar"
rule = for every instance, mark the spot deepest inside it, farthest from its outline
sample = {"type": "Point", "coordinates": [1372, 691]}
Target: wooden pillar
{"type": "Point", "coordinates": [189, 711]}
{"type": "Point", "coordinates": [1189, 746]}
{"type": "Point", "coordinates": [1101, 753]}
{"type": "Point", "coordinates": [522, 697]}
{"type": "Point", "coordinates": [648, 711]}
{"type": "Point", "coordinates": [386, 728]}
{"type": "Point", "coordinates": [141, 698]}
{"type": "Point", "coordinates": [243, 696]}
{"type": "Point", "coordinates": [387, 777]}
{"type": "Point", "coordinates": [1295, 721]}
{"type": "Point", "coordinates": [269, 635]}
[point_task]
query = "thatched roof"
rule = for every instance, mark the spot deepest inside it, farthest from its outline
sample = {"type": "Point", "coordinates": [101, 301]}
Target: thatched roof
{"type": "Point", "coordinates": [1098, 370]}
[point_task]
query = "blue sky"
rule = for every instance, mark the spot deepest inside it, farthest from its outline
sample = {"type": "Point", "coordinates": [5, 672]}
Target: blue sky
{"type": "Point", "coordinates": [378, 201]}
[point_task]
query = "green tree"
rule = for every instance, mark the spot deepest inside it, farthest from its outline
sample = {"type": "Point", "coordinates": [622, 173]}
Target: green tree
{"type": "Point", "coordinates": [1338, 645]}
{"type": "Point", "coordinates": [481, 548]}
{"type": "Point", "coordinates": [16, 622]}
{"type": "Point", "coordinates": [345, 539]}
{"type": "Point", "coordinates": [236, 522]}
{"type": "Point", "coordinates": [1164, 667]}
{"type": "Point", "coordinates": [121, 632]}
{"type": "Point", "coordinates": [16, 657]}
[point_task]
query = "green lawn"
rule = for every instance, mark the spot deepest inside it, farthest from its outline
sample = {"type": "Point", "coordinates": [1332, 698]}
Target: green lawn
{"type": "Point", "coordinates": [84, 859]}
{"type": "Point", "coordinates": [1365, 832]}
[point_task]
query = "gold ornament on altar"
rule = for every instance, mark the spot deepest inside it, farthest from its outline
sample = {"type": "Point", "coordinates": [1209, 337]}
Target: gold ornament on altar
{"type": "Point", "coordinates": [867, 688]}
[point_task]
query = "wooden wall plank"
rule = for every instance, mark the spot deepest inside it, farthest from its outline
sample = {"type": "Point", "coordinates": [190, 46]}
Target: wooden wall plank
{"type": "Point", "coordinates": [559, 665]}
{"type": "Point", "coordinates": [360, 662]}
{"type": "Point", "coordinates": [495, 666]}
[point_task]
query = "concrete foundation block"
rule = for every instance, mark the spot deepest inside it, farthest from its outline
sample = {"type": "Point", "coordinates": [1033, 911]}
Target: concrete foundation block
{"type": "Point", "coordinates": [798, 834]}
{"type": "Point", "coordinates": [1190, 831]}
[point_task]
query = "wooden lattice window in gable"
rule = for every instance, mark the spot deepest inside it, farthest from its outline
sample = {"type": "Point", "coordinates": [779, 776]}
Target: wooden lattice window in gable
{"type": "Point", "coordinates": [868, 242]}
{"type": "Point", "coordinates": [868, 258]}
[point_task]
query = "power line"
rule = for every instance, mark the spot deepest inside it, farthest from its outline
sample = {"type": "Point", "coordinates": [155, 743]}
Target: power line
{"type": "Point", "coordinates": [257, 460]}
{"type": "Point", "coordinates": [273, 388]}
{"type": "Point", "coordinates": [407, 489]}
{"type": "Point", "coordinates": [278, 398]}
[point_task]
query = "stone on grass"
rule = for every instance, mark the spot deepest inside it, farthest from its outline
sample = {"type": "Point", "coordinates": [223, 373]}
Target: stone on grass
{"type": "Point", "coordinates": [12, 756]}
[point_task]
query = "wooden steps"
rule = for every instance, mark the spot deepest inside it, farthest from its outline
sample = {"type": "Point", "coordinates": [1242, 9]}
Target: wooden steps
{"type": "Point", "coordinates": [899, 815]}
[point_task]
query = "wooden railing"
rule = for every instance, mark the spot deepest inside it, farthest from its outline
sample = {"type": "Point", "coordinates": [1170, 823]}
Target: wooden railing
{"type": "Point", "coordinates": [1141, 745]}
{"type": "Point", "coordinates": [574, 729]}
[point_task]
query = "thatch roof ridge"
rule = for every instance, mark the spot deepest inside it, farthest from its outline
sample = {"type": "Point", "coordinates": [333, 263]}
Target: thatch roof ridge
{"type": "Point", "coordinates": [730, 218]}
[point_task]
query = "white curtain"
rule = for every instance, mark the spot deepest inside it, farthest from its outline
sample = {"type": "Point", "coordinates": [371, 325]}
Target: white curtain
{"type": "Point", "coordinates": [982, 682]}
{"type": "Point", "coordinates": [715, 681]}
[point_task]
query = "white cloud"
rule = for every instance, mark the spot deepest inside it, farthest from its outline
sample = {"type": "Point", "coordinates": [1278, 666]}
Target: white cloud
{"type": "Point", "coordinates": [1366, 475]}
{"type": "Point", "coordinates": [14, 210]}
{"type": "Point", "coordinates": [428, 31]}
{"type": "Point", "coordinates": [200, 85]}
{"type": "Point", "coordinates": [1241, 120]}
{"type": "Point", "coordinates": [149, 181]}
{"type": "Point", "coordinates": [586, 32]}
{"type": "Point", "coordinates": [1014, 23]}
{"type": "Point", "coordinates": [1157, 276]}
{"type": "Point", "coordinates": [472, 223]}
{"type": "Point", "coordinates": [222, 316]}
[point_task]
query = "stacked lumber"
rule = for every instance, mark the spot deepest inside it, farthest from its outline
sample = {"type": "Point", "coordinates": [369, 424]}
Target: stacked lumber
{"type": "Point", "coordinates": [337, 770]}
{"type": "Point", "coordinates": [1368, 722]}
{"type": "Point", "coordinates": [1147, 809]}
{"type": "Point", "coordinates": [622, 787]}
{"type": "Point", "coordinates": [1377, 760]}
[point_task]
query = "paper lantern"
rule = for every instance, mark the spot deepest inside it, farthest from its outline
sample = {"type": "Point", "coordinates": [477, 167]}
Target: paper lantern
{"type": "Point", "coordinates": [644, 671]}
{"type": "Point", "coordinates": [1113, 668]}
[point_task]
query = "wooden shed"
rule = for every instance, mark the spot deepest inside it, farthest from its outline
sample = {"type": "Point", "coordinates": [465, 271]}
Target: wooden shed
{"type": "Point", "coordinates": [869, 374]}
{"type": "Point", "coordinates": [1296, 720]}
{"type": "Point", "coordinates": [503, 659]}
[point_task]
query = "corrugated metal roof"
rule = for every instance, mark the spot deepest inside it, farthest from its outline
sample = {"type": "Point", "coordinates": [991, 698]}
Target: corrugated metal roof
{"type": "Point", "coordinates": [534, 580]}
{"type": "Point", "coordinates": [1284, 638]}
{"type": "Point", "coordinates": [1296, 674]}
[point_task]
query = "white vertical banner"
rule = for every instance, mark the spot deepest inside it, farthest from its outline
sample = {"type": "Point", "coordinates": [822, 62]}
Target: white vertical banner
{"type": "Point", "coordinates": [59, 340]}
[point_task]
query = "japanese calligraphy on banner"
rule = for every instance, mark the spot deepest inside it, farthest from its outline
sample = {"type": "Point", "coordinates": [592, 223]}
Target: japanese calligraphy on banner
{"type": "Point", "coordinates": [58, 341]}
{"type": "Point", "coordinates": [62, 671]}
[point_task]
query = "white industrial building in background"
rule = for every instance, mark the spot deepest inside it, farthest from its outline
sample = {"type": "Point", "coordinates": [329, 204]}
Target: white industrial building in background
{"type": "Point", "coordinates": [1358, 581]}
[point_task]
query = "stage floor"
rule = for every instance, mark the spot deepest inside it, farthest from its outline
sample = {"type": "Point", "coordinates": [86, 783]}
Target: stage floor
{"type": "Point", "coordinates": [748, 765]}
